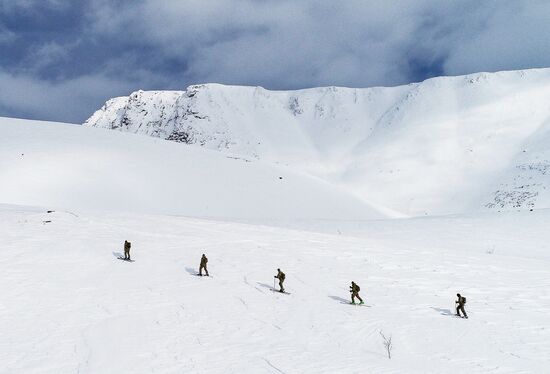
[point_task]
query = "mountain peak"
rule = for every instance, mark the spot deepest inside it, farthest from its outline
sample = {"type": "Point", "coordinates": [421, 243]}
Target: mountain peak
{"type": "Point", "coordinates": [439, 137]}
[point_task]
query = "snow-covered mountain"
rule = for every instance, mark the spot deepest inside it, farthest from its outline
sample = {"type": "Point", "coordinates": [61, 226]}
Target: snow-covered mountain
{"type": "Point", "coordinates": [296, 180]}
{"type": "Point", "coordinates": [446, 145]}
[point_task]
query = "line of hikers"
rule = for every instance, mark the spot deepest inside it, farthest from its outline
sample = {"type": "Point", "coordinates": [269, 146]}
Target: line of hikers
{"type": "Point", "coordinates": [353, 289]}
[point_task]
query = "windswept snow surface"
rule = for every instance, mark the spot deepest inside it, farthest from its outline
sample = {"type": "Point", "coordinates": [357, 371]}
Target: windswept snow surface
{"type": "Point", "coordinates": [304, 181]}
{"type": "Point", "coordinates": [445, 145]}
{"type": "Point", "coordinates": [75, 167]}
{"type": "Point", "coordinates": [70, 306]}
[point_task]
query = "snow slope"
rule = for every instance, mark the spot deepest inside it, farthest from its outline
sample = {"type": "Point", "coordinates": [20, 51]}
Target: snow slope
{"type": "Point", "coordinates": [75, 167]}
{"type": "Point", "coordinates": [445, 145]}
{"type": "Point", "coordinates": [312, 164]}
{"type": "Point", "coordinates": [70, 306]}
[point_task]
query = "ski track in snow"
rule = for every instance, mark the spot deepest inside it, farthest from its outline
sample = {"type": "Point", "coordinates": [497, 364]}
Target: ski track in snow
{"type": "Point", "coordinates": [69, 306]}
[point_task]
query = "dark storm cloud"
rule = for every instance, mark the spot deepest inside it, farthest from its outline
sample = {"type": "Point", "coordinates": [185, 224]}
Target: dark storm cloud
{"type": "Point", "coordinates": [61, 59]}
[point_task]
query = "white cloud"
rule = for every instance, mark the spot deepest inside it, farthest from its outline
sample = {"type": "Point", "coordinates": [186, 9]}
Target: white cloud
{"type": "Point", "coordinates": [285, 43]}
{"type": "Point", "coordinates": [288, 43]}
{"type": "Point", "coordinates": [68, 100]}
{"type": "Point", "coordinates": [6, 36]}
{"type": "Point", "coordinates": [513, 36]}
{"type": "Point", "coordinates": [8, 6]}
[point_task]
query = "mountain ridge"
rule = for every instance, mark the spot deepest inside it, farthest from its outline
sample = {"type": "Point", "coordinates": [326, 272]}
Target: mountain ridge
{"type": "Point", "coordinates": [444, 145]}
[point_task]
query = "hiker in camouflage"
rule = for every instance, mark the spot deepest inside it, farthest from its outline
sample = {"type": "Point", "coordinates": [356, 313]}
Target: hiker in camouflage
{"type": "Point", "coordinates": [354, 289]}
{"type": "Point", "coordinates": [281, 277]}
{"type": "Point", "coordinates": [127, 246]}
{"type": "Point", "coordinates": [204, 261]}
{"type": "Point", "coordinates": [460, 305]}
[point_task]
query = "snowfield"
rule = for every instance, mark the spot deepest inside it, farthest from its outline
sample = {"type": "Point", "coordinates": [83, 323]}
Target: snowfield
{"type": "Point", "coordinates": [415, 192]}
{"type": "Point", "coordinates": [70, 306]}
{"type": "Point", "coordinates": [69, 166]}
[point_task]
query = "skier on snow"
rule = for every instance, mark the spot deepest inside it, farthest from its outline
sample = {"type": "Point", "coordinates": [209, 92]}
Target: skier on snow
{"type": "Point", "coordinates": [460, 305]}
{"type": "Point", "coordinates": [127, 246]}
{"type": "Point", "coordinates": [204, 261]}
{"type": "Point", "coordinates": [281, 277]}
{"type": "Point", "coordinates": [354, 289]}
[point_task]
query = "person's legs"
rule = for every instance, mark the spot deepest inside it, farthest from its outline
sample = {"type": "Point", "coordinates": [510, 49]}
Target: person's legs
{"type": "Point", "coordinates": [206, 270]}
{"type": "Point", "coordinates": [281, 286]}
{"type": "Point", "coordinates": [463, 311]}
{"type": "Point", "coordinates": [359, 297]}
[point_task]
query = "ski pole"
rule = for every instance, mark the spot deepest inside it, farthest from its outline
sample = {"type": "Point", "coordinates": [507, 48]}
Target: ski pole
{"type": "Point", "coordinates": [273, 283]}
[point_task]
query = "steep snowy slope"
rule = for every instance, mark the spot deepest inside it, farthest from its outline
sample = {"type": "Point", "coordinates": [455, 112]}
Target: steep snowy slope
{"type": "Point", "coordinates": [449, 144]}
{"type": "Point", "coordinates": [70, 306]}
{"type": "Point", "coordinates": [73, 167]}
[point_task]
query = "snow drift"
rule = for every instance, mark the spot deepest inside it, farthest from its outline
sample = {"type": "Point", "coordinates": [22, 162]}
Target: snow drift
{"type": "Point", "coordinates": [74, 167]}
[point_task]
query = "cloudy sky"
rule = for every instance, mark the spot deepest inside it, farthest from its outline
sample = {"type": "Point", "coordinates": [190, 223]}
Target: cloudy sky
{"type": "Point", "coordinates": [62, 59]}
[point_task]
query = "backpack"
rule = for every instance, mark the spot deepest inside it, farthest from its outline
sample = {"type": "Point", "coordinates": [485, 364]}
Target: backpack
{"type": "Point", "coordinates": [282, 276]}
{"type": "Point", "coordinates": [357, 288]}
{"type": "Point", "coordinates": [463, 300]}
